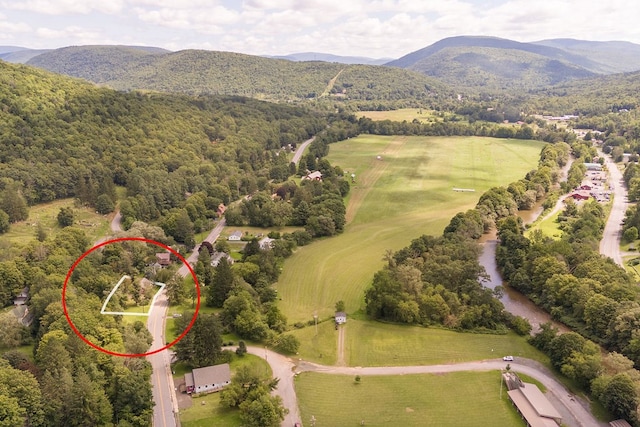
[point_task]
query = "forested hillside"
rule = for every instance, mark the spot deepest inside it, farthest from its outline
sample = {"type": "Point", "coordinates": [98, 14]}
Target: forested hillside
{"type": "Point", "coordinates": [63, 137]}
{"type": "Point", "coordinates": [198, 72]}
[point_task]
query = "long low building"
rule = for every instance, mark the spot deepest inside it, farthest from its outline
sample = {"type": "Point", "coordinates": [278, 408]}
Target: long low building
{"type": "Point", "coordinates": [208, 379]}
{"type": "Point", "coordinates": [534, 407]}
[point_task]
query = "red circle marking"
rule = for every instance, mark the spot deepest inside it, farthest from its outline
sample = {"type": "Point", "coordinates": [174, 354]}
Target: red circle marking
{"type": "Point", "coordinates": [113, 353]}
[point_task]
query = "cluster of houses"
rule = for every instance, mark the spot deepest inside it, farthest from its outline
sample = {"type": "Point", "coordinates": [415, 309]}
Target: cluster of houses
{"type": "Point", "coordinates": [593, 186]}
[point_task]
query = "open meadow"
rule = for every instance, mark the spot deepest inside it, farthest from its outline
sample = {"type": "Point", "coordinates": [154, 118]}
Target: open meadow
{"type": "Point", "coordinates": [406, 193]}
{"type": "Point", "coordinates": [93, 224]}
{"type": "Point", "coordinates": [370, 343]}
{"type": "Point", "coordinates": [461, 399]}
{"type": "Point", "coordinates": [406, 114]}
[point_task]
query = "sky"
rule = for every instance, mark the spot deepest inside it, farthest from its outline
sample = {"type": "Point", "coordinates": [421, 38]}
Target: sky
{"type": "Point", "coordinates": [368, 28]}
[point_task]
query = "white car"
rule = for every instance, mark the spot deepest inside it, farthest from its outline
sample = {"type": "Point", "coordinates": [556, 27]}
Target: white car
{"type": "Point", "coordinates": [508, 358]}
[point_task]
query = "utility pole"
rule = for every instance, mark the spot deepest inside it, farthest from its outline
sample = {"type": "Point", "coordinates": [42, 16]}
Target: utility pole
{"type": "Point", "coordinates": [315, 318]}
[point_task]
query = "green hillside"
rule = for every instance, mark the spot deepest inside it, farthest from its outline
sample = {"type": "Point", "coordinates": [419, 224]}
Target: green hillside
{"type": "Point", "coordinates": [197, 72]}
{"type": "Point", "coordinates": [63, 137]}
{"type": "Point", "coordinates": [489, 68]}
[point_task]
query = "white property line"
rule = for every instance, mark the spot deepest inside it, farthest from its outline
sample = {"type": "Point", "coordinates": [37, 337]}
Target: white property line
{"type": "Point", "coordinates": [124, 313]}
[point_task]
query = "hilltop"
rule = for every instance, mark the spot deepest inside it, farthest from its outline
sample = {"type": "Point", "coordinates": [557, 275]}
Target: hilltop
{"type": "Point", "coordinates": [197, 72]}
{"type": "Point", "coordinates": [491, 63]}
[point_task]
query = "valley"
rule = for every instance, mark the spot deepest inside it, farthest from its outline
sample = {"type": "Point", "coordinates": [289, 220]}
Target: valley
{"type": "Point", "coordinates": [349, 224]}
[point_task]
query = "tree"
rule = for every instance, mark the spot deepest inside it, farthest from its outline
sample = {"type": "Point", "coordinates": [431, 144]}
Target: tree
{"type": "Point", "coordinates": [242, 349]}
{"type": "Point", "coordinates": [176, 291]}
{"type": "Point", "coordinates": [618, 394]}
{"type": "Point", "coordinates": [287, 343]}
{"type": "Point", "coordinates": [104, 204]}
{"type": "Point", "coordinates": [221, 285]}
{"type": "Point", "coordinates": [264, 411]}
{"type": "Point", "coordinates": [630, 234]}
{"type": "Point", "coordinates": [65, 217]}
{"type": "Point", "coordinates": [202, 346]}
{"type": "Point", "coordinates": [11, 413]}
{"type": "Point", "coordinates": [13, 204]}
{"type": "Point", "coordinates": [340, 306]}
{"type": "Point", "coordinates": [4, 222]}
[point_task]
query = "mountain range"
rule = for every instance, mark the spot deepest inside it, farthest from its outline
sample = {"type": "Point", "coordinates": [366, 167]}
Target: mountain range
{"type": "Point", "coordinates": [463, 63]}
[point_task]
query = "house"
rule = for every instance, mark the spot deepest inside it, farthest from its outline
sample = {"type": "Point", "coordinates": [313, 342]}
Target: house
{"type": "Point", "coordinates": [585, 187]}
{"type": "Point", "coordinates": [313, 176]}
{"type": "Point", "coordinates": [22, 297]}
{"type": "Point", "coordinates": [578, 196]}
{"type": "Point", "coordinates": [533, 406]}
{"type": "Point", "coordinates": [236, 236]}
{"type": "Point", "coordinates": [163, 258]}
{"type": "Point", "coordinates": [217, 256]}
{"type": "Point", "coordinates": [208, 379]}
{"type": "Point", "coordinates": [266, 243]}
{"type": "Point", "coordinates": [593, 166]}
{"type": "Point", "coordinates": [341, 317]}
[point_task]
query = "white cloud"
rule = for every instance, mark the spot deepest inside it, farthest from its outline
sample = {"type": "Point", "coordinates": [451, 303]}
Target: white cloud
{"type": "Point", "coordinates": [62, 7]}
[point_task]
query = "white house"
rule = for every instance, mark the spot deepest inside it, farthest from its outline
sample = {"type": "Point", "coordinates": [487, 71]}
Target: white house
{"type": "Point", "coordinates": [341, 317]}
{"type": "Point", "coordinates": [208, 379]}
{"type": "Point", "coordinates": [236, 236]}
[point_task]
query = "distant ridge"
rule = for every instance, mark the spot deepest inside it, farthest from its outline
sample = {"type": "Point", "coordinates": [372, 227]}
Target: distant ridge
{"type": "Point", "coordinates": [493, 63]}
{"type": "Point", "coordinates": [327, 57]}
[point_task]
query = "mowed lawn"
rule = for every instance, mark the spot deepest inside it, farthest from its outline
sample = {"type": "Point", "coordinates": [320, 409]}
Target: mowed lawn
{"type": "Point", "coordinates": [369, 343]}
{"type": "Point", "coordinates": [460, 399]}
{"type": "Point", "coordinates": [403, 195]}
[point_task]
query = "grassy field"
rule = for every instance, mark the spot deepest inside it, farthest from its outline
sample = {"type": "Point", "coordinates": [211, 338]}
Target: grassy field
{"type": "Point", "coordinates": [549, 227]}
{"type": "Point", "coordinates": [461, 399]}
{"type": "Point", "coordinates": [405, 114]}
{"type": "Point", "coordinates": [370, 343]}
{"type": "Point", "coordinates": [93, 224]}
{"type": "Point", "coordinates": [394, 200]}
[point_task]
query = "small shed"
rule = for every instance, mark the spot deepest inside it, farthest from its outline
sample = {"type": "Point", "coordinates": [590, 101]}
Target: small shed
{"type": "Point", "coordinates": [341, 317]}
{"type": "Point", "coordinates": [619, 423]}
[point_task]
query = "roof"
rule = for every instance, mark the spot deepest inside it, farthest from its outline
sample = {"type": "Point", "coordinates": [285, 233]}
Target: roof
{"type": "Point", "coordinates": [163, 257]}
{"type": "Point", "coordinates": [188, 379]}
{"type": "Point", "coordinates": [619, 423]}
{"type": "Point", "coordinates": [539, 401]}
{"type": "Point", "coordinates": [528, 411]}
{"type": "Point", "coordinates": [314, 175]}
{"type": "Point", "coordinates": [341, 314]}
{"type": "Point", "coordinates": [266, 243]}
{"type": "Point", "coordinates": [236, 233]}
{"type": "Point", "coordinates": [211, 375]}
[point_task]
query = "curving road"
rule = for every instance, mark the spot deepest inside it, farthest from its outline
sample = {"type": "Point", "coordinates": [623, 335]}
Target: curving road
{"type": "Point", "coordinates": [610, 243]}
{"type": "Point", "coordinates": [300, 150]}
{"type": "Point", "coordinates": [574, 410]}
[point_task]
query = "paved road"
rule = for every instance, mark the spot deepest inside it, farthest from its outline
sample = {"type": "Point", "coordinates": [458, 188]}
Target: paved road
{"type": "Point", "coordinates": [164, 392]}
{"type": "Point", "coordinates": [300, 150]}
{"type": "Point", "coordinates": [610, 243]}
{"type": "Point", "coordinates": [166, 404]}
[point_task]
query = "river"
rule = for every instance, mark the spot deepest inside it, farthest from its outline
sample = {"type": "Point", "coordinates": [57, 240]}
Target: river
{"type": "Point", "coordinates": [515, 302]}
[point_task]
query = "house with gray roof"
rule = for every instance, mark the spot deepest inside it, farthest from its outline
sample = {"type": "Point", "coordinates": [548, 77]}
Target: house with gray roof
{"type": "Point", "coordinates": [208, 379]}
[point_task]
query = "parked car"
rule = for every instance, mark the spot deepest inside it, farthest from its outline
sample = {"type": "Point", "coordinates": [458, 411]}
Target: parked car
{"type": "Point", "coordinates": [508, 358]}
